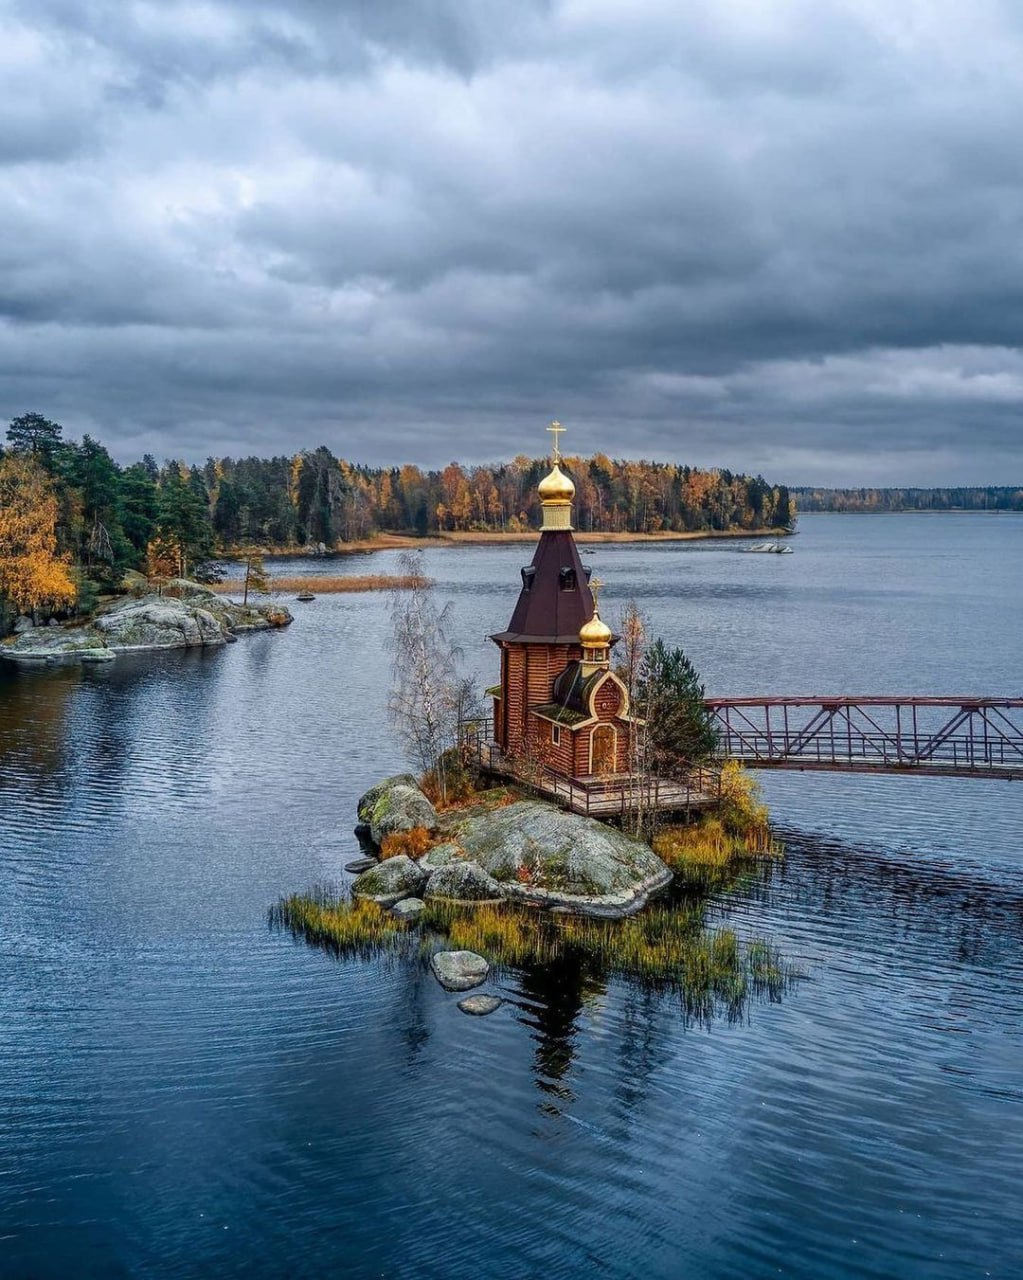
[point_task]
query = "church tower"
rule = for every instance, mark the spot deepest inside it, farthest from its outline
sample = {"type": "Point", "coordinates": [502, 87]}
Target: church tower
{"type": "Point", "coordinates": [556, 684]}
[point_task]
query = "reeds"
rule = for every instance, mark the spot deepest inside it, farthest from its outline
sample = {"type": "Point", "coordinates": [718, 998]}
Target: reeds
{"type": "Point", "coordinates": [707, 854]}
{"type": "Point", "coordinates": [666, 946]}
{"type": "Point", "coordinates": [327, 918]}
{"type": "Point", "coordinates": [323, 585]}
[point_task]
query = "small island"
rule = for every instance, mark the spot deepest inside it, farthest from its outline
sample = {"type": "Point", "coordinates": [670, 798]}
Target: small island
{"type": "Point", "coordinates": [182, 615]}
{"type": "Point", "coordinates": [577, 821]}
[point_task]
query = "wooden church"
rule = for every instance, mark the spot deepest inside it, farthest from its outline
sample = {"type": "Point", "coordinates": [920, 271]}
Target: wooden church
{"type": "Point", "coordinates": [558, 702]}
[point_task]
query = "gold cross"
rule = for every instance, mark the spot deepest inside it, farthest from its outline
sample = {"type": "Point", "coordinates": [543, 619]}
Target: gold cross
{"type": "Point", "coordinates": [556, 429]}
{"type": "Point", "coordinates": [595, 587]}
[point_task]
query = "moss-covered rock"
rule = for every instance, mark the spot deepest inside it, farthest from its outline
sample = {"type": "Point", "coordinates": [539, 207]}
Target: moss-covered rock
{"type": "Point", "coordinates": [396, 804]}
{"type": "Point", "coordinates": [390, 882]}
{"type": "Point", "coordinates": [463, 882]}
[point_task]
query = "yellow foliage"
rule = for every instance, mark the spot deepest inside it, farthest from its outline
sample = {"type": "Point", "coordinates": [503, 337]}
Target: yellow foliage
{"type": "Point", "coordinates": [741, 807]}
{"type": "Point", "coordinates": [414, 843]}
{"type": "Point", "coordinates": [33, 574]}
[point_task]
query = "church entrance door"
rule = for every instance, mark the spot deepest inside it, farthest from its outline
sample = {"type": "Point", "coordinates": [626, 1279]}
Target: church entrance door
{"type": "Point", "coordinates": [602, 750]}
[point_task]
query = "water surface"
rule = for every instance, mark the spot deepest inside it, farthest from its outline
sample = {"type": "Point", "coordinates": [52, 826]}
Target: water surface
{"type": "Point", "coordinates": [184, 1092]}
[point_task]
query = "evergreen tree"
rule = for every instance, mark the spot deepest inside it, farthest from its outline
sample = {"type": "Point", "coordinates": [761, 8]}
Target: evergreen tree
{"type": "Point", "coordinates": [670, 699]}
{"type": "Point", "coordinates": [139, 508]}
{"type": "Point", "coordinates": [32, 433]}
{"type": "Point", "coordinates": [183, 525]}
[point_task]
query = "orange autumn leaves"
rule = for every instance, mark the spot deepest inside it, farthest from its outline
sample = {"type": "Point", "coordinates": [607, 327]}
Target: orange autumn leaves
{"type": "Point", "coordinates": [33, 573]}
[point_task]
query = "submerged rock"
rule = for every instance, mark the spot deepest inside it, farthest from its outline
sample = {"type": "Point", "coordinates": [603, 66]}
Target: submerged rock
{"type": "Point", "coordinates": [541, 853]}
{"type": "Point", "coordinates": [409, 908]}
{"type": "Point", "coordinates": [459, 970]}
{"type": "Point", "coordinates": [463, 882]}
{"type": "Point", "coordinates": [195, 617]}
{"type": "Point", "coordinates": [390, 881]}
{"type": "Point", "coordinates": [360, 865]}
{"type": "Point", "coordinates": [396, 804]}
{"type": "Point", "coordinates": [480, 1006]}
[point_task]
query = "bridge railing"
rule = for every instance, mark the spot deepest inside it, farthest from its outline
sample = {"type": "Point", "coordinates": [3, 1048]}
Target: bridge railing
{"type": "Point", "coordinates": [966, 736]}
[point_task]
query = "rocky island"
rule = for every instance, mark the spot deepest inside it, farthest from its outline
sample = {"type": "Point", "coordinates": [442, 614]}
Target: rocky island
{"type": "Point", "coordinates": [528, 851]}
{"type": "Point", "coordinates": [184, 615]}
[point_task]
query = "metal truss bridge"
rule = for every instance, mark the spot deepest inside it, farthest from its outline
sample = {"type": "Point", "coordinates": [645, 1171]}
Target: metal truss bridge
{"type": "Point", "coordinates": [938, 737]}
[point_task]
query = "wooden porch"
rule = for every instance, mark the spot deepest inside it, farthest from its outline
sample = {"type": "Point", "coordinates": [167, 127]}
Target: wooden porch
{"type": "Point", "coordinates": [597, 797]}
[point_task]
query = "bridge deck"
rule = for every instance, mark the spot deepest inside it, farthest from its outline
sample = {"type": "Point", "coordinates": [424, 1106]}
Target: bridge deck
{"type": "Point", "coordinates": [932, 736]}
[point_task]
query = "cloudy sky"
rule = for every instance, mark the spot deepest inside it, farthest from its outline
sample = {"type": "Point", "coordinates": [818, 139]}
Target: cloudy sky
{"type": "Point", "coordinates": [776, 235]}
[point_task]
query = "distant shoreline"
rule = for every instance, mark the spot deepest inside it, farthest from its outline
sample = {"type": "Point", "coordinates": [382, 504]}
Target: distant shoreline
{"type": "Point", "coordinates": [917, 511]}
{"type": "Point", "coordinates": [406, 542]}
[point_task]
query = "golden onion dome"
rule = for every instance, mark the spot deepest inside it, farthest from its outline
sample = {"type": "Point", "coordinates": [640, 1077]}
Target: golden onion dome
{"type": "Point", "coordinates": [595, 634]}
{"type": "Point", "coordinates": [556, 487]}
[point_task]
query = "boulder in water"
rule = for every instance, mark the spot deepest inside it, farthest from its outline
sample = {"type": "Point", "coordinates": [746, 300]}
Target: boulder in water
{"type": "Point", "coordinates": [459, 970]}
{"type": "Point", "coordinates": [195, 617]}
{"type": "Point", "coordinates": [480, 1006]}
{"type": "Point", "coordinates": [409, 908]}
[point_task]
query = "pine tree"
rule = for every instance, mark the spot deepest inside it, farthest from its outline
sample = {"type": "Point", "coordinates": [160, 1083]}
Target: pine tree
{"type": "Point", "coordinates": [183, 524]}
{"type": "Point", "coordinates": [670, 699]}
{"type": "Point", "coordinates": [32, 433]}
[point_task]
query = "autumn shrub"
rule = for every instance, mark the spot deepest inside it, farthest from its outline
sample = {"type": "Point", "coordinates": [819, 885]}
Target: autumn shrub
{"type": "Point", "coordinates": [461, 782]}
{"type": "Point", "coordinates": [741, 809]}
{"type": "Point", "coordinates": [414, 843]}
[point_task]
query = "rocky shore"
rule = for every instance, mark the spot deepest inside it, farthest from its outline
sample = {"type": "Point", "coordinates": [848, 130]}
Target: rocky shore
{"type": "Point", "coordinates": [528, 852]}
{"type": "Point", "coordinates": [186, 615]}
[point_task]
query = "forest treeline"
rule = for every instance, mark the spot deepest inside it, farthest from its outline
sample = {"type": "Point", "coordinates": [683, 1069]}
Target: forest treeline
{"type": "Point", "coordinates": [958, 498]}
{"type": "Point", "coordinates": [72, 520]}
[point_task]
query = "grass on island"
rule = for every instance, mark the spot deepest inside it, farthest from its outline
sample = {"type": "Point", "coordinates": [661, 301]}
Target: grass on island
{"type": "Point", "coordinates": [667, 947]}
{"type": "Point", "coordinates": [323, 585]}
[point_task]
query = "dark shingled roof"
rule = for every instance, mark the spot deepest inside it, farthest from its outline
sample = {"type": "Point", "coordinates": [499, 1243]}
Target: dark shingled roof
{"type": "Point", "coordinates": [545, 612]}
{"type": "Point", "coordinates": [572, 689]}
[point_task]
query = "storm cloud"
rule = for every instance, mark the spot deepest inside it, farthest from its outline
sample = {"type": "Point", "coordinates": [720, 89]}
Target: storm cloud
{"type": "Point", "coordinates": [782, 237]}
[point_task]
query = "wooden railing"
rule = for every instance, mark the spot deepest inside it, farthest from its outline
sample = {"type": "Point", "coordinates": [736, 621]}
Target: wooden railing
{"type": "Point", "coordinates": [597, 796]}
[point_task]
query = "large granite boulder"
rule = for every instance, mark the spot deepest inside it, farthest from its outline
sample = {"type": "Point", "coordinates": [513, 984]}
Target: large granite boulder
{"type": "Point", "coordinates": [396, 804]}
{"type": "Point", "coordinates": [158, 622]}
{"type": "Point", "coordinates": [195, 618]}
{"type": "Point", "coordinates": [463, 882]}
{"type": "Point", "coordinates": [542, 854]}
{"type": "Point", "coordinates": [390, 881]}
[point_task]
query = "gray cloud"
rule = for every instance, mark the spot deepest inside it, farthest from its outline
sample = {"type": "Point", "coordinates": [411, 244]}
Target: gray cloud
{"type": "Point", "coordinates": [785, 238]}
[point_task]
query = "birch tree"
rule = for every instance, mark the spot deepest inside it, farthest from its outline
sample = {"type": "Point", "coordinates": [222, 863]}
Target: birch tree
{"type": "Point", "coordinates": [426, 691]}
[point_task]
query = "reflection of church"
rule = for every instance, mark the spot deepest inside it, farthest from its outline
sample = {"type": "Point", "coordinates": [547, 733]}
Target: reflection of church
{"type": "Point", "coordinates": [559, 703]}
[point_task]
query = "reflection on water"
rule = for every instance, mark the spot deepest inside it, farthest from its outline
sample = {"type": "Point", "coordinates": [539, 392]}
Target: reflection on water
{"type": "Point", "coordinates": [188, 1093]}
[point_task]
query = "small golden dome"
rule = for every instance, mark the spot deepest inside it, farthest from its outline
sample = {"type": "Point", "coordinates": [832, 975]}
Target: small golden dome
{"type": "Point", "coordinates": [556, 487]}
{"type": "Point", "coordinates": [595, 634]}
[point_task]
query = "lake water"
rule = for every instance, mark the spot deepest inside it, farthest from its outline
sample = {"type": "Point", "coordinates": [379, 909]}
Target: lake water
{"type": "Point", "coordinates": [185, 1092]}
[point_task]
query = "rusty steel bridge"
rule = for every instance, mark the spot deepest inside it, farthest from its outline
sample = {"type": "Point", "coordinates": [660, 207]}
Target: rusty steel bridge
{"type": "Point", "coordinates": [964, 737]}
